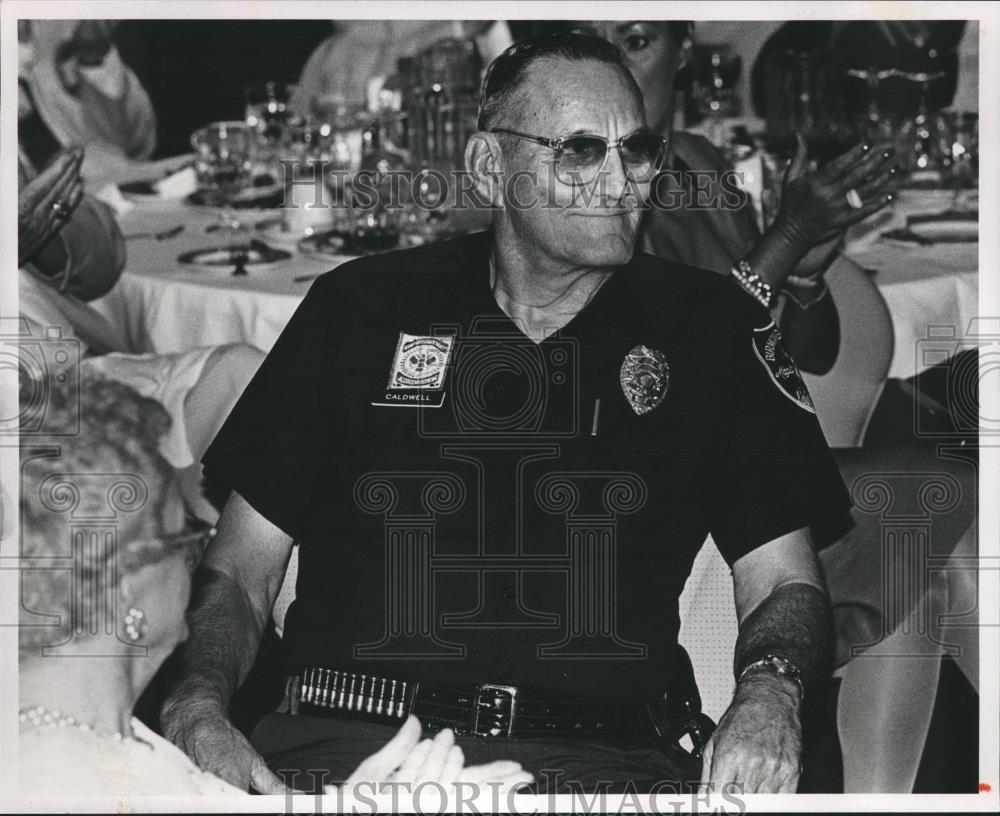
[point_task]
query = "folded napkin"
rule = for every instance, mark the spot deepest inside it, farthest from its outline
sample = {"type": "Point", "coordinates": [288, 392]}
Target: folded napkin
{"type": "Point", "coordinates": [179, 184]}
{"type": "Point", "coordinates": [112, 196]}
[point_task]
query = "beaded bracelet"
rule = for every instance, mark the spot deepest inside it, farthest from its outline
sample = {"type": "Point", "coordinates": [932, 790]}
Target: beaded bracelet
{"type": "Point", "coordinates": [753, 284]}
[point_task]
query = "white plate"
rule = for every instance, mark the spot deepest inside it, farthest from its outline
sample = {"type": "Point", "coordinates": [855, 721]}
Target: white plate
{"type": "Point", "coordinates": [224, 258]}
{"type": "Point", "coordinates": [947, 231]}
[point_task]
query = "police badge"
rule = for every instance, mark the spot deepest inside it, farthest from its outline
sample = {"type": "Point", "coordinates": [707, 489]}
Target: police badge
{"type": "Point", "coordinates": [645, 377]}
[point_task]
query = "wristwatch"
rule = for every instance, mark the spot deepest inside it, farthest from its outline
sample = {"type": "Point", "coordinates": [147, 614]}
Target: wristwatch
{"type": "Point", "coordinates": [776, 664]}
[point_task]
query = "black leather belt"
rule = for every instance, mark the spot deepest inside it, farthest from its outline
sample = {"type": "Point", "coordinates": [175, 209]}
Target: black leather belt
{"type": "Point", "coordinates": [492, 710]}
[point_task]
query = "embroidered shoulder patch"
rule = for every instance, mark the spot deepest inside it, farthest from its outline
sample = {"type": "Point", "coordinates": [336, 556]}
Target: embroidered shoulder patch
{"type": "Point", "coordinates": [780, 366]}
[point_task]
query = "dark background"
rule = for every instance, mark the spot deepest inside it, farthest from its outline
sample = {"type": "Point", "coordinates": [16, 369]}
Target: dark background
{"type": "Point", "coordinates": [195, 70]}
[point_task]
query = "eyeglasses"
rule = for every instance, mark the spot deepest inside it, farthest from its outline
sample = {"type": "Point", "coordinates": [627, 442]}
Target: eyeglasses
{"type": "Point", "coordinates": [581, 158]}
{"type": "Point", "coordinates": [193, 540]}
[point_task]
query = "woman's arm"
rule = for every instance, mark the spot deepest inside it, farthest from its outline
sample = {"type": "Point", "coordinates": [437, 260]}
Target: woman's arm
{"type": "Point", "coordinates": [88, 253]}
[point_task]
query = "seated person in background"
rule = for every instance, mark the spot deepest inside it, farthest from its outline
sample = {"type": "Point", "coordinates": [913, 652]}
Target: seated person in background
{"type": "Point", "coordinates": [361, 53]}
{"type": "Point", "coordinates": [78, 734]}
{"type": "Point", "coordinates": [930, 46]}
{"type": "Point", "coordinates": [73, 89]}
{"type": "Point", "coordinates": [71, 250]}
{"type": "Point", "coordinates": [795, 251]}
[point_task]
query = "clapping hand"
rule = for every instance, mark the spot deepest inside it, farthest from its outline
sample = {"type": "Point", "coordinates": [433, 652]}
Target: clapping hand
{"type": "Point", "coordinates": [818, 206]}
{"type": "Point", "coordinates": [46, 202]}
{"type": "Point", "coordinates": [408, 760]}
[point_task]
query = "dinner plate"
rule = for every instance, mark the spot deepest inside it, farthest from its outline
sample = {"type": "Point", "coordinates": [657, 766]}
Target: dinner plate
{"type": "Point", "coordinates": [257, 255]}
{"type": "Point", "coordinates": [324, 245]}
{"type": "Point", "coordinates": [275, 232]}
{"type": "Point", "coordinates": [946, 228]}
{"type": "Point", "coordinates": [937, 228]}
{"type": "Point", "coordinates": [267, 197]}
{"type": "Point", "coordinates": [335, 244]}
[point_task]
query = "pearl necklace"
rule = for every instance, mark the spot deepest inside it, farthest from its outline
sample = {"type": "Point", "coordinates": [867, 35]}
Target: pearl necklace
{"type": "Point", "coordinates": [41, 717]}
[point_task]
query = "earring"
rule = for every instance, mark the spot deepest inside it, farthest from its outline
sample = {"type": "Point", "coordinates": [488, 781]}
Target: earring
{"type": "Point", "coordinates": [135, 624]}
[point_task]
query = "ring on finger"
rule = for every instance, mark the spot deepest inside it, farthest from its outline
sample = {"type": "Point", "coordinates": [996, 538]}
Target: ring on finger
{"type": "Point", "coordinates": [61, 209]}
{"type": "Point", "coordinates": [854, 200]}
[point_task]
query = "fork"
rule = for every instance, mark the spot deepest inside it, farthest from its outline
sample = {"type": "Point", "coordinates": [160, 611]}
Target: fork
{"type": "Point", "coordinates": [158, 236]}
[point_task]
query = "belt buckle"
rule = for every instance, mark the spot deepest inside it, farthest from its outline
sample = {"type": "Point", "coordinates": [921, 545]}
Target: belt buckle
{"type": "Point", "coordinates": [493, 705]}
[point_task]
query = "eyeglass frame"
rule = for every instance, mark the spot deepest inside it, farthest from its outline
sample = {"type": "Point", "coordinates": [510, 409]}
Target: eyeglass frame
{"type": "Point", "coordinates": [195, 538]}
{"type": "Point", "coordinates": [557, 145]}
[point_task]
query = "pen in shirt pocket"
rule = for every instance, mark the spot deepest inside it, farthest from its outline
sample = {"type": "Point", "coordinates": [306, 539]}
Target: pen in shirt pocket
{"type": "Point", "coordinates": [595, 421]}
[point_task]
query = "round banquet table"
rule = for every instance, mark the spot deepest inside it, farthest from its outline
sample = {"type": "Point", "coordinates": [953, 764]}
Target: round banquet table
{"type": "Point", "coordinates": [923, 286]}
{"type": "Point", "coordinates": [168, 307]}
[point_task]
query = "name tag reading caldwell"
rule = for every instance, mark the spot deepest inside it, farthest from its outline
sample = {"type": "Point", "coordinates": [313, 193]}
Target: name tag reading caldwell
{"type": "Point", "coordinates": [419, 366]}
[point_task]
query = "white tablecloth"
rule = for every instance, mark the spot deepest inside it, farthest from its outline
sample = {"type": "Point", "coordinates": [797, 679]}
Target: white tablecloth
{"type": "Point", "coordinates": [167, 306]}
{"type": "Point", "coordinates": [923, 286]}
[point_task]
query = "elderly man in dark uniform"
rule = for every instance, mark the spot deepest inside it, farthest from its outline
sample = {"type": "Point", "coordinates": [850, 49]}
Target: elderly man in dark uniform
{"type": "Point", "coordinates": [499, 456]}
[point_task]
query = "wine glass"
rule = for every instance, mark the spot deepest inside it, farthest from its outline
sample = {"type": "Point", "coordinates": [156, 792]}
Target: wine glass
{"type": "Point", "coordinates": [222, 163]}
{"type": "Point", "coordinates": [922, 146]}
{"type": "Point", "coordinates": [874, 126]}
{"type": "Point", "coordinates": [717, 70]}
{"type": "Point", "coordinates": [269, 113]}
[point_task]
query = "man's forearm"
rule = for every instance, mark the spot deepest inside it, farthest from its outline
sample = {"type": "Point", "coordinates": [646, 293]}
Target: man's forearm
{"type": "Point", "coordinates": [222, 646]}
{"type": "Point", "coordinates": [793, 622]}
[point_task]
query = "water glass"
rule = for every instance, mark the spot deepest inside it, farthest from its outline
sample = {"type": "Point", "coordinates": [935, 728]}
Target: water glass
{"type": "Point", "coordinates": [269, 113]}
{"type": "Point", "coordinates": [222, 160]}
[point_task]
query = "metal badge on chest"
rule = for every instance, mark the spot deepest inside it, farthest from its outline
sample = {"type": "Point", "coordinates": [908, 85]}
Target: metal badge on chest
{"type": "Point", "coordinates": [645, 379]}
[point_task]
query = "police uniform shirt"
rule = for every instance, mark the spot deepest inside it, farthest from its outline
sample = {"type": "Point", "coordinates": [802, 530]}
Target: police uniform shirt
{"type": "Point", "coordinates": [473, 507]}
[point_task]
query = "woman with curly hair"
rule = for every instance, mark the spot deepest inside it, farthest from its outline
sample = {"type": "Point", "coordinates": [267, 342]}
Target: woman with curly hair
{"type": "Point", "coordinates": [106, 560]}
{"type": "Point", "coordinates": [106, 564]}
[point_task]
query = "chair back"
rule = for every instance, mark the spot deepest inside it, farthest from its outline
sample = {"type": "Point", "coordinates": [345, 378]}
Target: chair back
{"type": "Point", "coordinates": [845, 397]}
{"type": "Point", "coordinates": [709, 628]}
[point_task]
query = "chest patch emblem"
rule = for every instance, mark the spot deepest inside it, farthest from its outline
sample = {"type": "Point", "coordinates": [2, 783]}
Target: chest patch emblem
{"type": "Point", "coordinates": [420, 362]}
{"type": "Point", "coordinates": [645, 378]}
{"type": "Point", "coordinates": [780, 366]}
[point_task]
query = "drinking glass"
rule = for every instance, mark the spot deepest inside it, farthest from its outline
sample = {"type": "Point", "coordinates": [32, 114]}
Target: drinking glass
{"type": "Point", "coordinates": [922, 146]}
{"type": "Point", "coordinates": [873, 127]}
{"type": "Point", "coordinates": [717, 70]}
{"type": "Point", "coordinates": [222, 160]}
{"type": "Point", "coordinates": [269, 114]}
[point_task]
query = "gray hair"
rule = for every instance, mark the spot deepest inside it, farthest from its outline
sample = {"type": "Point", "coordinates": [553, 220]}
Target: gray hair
{"type": "Point", "coordinates": [505, 76]}
{"type": "Point", "coordinates": [104, 429]}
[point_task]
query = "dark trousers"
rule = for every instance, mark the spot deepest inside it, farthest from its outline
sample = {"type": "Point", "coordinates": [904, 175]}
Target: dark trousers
{"type": "Point", "coordinates": [320, 750]}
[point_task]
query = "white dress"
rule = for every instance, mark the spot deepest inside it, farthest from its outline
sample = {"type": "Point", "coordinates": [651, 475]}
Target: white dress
{"type": "Point", "coordinates": [70, 762]}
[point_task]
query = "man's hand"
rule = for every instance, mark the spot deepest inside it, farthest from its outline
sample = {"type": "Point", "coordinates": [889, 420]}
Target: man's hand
{"type": "Point", "coordinates": [757, 747]}
{"type": "Point", "coordinates": [206, 735]}
{"type": "Point", "coordinates": [38, 217]}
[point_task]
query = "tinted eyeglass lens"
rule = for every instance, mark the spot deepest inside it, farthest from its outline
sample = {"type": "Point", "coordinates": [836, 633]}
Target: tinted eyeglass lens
{"type": "Point", "coordinates": [580, 158]}
{"type": "Point", "coordinates": [642, 154]}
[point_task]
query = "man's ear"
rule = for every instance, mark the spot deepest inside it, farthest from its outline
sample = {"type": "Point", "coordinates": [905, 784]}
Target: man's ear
{"type": "Point", "coordinates": [484, 161]}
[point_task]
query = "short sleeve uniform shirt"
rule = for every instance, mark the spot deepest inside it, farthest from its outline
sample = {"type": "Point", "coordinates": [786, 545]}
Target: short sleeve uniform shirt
{"type": "Point", "coordinates": [473, 507]}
